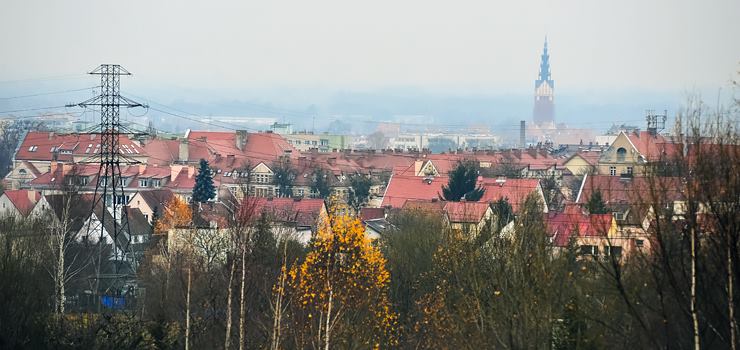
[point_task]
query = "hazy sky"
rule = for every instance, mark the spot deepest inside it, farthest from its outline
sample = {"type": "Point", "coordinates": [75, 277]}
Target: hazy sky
{"type": "Point", "coordinates": [448, 45]}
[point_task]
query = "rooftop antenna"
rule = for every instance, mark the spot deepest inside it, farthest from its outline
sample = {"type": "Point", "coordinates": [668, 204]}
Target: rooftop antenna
{"type": "Point", "coordinates": [655, 122]}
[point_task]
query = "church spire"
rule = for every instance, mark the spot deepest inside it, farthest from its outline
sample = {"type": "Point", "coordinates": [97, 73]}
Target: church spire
{"type": "Point", "coordinates": [545, 65]}
{"type": "Point", "coordinates": [544, 93]}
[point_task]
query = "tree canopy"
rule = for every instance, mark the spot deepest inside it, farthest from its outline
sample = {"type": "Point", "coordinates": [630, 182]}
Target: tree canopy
{"type": "Point", "coordinates": [204, 189]}
{"type": "Point", "coordinates": [463, 183]}
{"type": "Point", "coordinates": [596, 204]}
{"type": "Point", "coordinates": [284, 177]}
{"type": "Point", "coordinates": [320, 182]}
{"type": "Point", "coordinates": [360, 190]}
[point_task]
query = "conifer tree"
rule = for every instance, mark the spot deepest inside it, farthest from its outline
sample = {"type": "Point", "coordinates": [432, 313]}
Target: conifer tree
{"type": "Point", "coordinates": [596, 204]}
{"type": "Point", "coordinates": [463, 182]}
{"type": "Point", "coordinates": [204, 189]}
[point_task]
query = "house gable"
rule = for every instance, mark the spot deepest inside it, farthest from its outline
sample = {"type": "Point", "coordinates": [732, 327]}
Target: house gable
{"type": "Point", "coordinates": [262, 168]}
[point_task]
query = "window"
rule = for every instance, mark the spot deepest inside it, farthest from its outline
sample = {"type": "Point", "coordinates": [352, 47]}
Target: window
{"type": "Point", "coordinates": [33, 148]}
{"type": "Point", "coordinates": [621, 153]}
{"type": "Point", "coordinates": [639, 243]}
{"type": "Point", "coordinates": [314, 143]}
{"type": "Point", "coordinates": [121, 199]}
{"type": "Point", "coordinates": [22, 171]}
{"type": "Point", "coordinates": [156, 183]}
{"type": "Point", "coordinates": [143, 182]}
{"type": "Point", "coordinates": [615, 251]}
{"type": "Point", "coordinates": [613, 171]}
{"type": "Point", "coordinates": [629, 170]}
{"type": "Point", "coordinates": [307, 142]}
{"type": "Point", "coordinates": [589, 250]}
{"type": "Point", "coordinates": [84, 180]}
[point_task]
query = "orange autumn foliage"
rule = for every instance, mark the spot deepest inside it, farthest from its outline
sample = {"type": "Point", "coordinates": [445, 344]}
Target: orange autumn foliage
{"type": "Point", "coordinates": [344, 269]}
{"type": "Point", "coordinates": [177, 213]}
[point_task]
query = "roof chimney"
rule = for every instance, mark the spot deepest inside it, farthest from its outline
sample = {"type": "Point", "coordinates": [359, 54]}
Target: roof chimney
{"type": "Point", "coordinates": [66, 169]}
{"type": "Point", "coordinates": [241, 139]}
{"type": "Point", "coordinates": [417, 166]}
{"type": "Point", "coordinates": [174, 171]}
{"type": "Point", "coordinates": [142, 168]}
{"type": "Point", "coordinates": [191, 171]}
{"type": "Point", "coordinates": [31, 196]}
{"type": "Point", "coordinates": [183, 154]}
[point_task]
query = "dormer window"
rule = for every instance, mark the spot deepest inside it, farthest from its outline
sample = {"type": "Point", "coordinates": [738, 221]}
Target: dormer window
{"type": "Point", "coordinates": [143, 182]}
{"type": "Point", "coordinates": [156, 183]}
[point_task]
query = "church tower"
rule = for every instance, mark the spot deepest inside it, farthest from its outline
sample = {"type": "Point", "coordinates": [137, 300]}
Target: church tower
{"type": "Point", "coordinates": [544, 88]}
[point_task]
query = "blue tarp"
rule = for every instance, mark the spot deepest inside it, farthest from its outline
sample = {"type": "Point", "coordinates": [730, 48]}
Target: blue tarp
{"type": "Point", "coordinates": [113, 302]}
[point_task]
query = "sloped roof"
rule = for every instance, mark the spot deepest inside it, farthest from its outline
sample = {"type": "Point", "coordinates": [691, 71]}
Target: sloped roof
{"type": "Point", "coordinates": [571, 222]}
{"type": "Point", "coordinates": [302, 212]}
{"type": "Point", "coordinates": [79, 208]}
{"type": "Point", "coordinates": [591, 157]}
{"type": "Point", "coordinates": [258, 146]}
{"type": "Point", "coordinates": [162, 151]}
{"type": "Point", "coordinates": [138, 224]}
{"type": "Point", "coordinates": [653, 147]}
{"type": "Point", "coordinates": [404, 187]}
{"type": "Point", "coordinates": [515, 190]}
{"type": "Point", "coordinates": [38, 145]}
{"type": "Point", "coordinates": [372, 213]}
{"type": "Point", "coordinates": [425, 206]}
{"type": "Point", "coordinates": [23, 200]}
{"type": "Point", "coordinates": [631, 191]}
{"type": "Point", "coordinates": [157, 199]}
{"type": "Point", "coordinates": [466, 212]}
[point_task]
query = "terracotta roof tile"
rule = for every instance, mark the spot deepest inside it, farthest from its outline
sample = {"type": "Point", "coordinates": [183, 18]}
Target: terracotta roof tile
{"type": "Point", "coordinates": [466, 212]}
{"type": "Point", "coordinates": [23, 200]}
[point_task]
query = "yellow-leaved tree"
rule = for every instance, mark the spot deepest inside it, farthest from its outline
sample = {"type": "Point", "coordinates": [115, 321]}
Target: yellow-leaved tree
{"type": "Point", "coordinates": [177, 213]}
{"type": "Point", "coordinates": [341, 289]}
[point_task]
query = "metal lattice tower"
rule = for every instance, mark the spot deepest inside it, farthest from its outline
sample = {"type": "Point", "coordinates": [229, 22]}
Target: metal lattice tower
{"type": "Point", "coordinates": [109, 187]}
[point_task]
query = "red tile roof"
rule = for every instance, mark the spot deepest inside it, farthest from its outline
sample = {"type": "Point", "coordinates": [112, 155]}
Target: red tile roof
{"type": "Point", "coordinates": [466, 212]}
{"type": "Point", "coordinates": [634, 190]}
{"type": "Point", "coordinates": [264, 147]}
{"type": "Point", "coordinates": [38, 146]}
{"type": "Point", "coordinates": [404, 187]}
{"type": "Point", "coordinates": [653, 147]}
{"type": "Point", "coordinates": [372, 213]}
{"type": "Point", "coordinates": [162, 152]}
{"type": "Point", "coordinates": [571, 222]}
{"type": "Point", "coordinates": [302, 212]}
{"type": "Point", "coordinates": [425, 205]}
{"type": "Point", "coordinates": [23, 200]}
{"type": "Point", "coordinates": [591, 157]}
{"type": "Point", "coordinates": [514, 190]}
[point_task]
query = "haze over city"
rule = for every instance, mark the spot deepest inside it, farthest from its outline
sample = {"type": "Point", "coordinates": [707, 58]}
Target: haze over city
{"type": "Point", "coordinates": [471, 61]}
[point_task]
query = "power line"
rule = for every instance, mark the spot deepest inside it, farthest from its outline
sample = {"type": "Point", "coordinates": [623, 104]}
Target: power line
{"type": "Point", "coordinates": [49, 93]}
{"type": "Point", "coordinates": [47, 78]}
{"type": "Point", "coordinates": [32, 109]}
